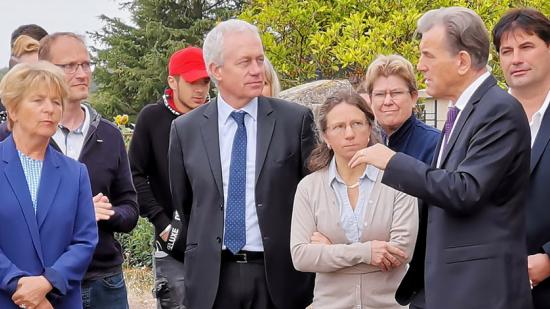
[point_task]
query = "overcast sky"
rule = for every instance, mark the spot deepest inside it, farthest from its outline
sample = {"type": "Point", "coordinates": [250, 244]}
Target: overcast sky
{"type": "Point", "coordinates": [77, 16]}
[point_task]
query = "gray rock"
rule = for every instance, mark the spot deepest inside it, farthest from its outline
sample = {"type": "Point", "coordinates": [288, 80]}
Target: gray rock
{"type": "Point", "coordinates": [313, 94]}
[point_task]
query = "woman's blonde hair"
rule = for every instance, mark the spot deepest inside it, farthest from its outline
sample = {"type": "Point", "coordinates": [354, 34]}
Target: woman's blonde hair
{"type": "Point", "coordinates": [272, 78]}
{"type": "Point", "coordinates": [24, 44]}
{"type": "Point", "coordinates": [25, 79]}
{"type": "Point", "coordinates": [385, 66]}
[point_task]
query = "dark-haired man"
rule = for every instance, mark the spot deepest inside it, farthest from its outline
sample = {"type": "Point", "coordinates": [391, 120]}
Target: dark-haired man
{"type": "Point", "coordinates": [522, 39]}
{"type": "Point", "coordinates": [188, 84]}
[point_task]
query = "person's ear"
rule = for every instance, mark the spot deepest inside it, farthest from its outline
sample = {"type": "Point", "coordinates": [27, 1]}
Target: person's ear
{"type": "Point", "coordinates": [464, 62]}
{"type": "Point", "coordinates": [216, 71]}
{"type": "Point", "coordinates": [172, 82]}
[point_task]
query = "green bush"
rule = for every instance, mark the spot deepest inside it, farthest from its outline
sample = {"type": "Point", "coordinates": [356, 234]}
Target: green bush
{"type": "Point", "coordinates": [138, 245]}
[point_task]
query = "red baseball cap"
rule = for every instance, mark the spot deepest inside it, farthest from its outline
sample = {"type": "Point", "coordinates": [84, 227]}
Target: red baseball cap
{"type": "Point", "coordinates": [187, 63]}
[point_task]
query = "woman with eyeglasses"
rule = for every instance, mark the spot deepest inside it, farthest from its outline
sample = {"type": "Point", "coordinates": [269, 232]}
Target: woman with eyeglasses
{"type": "Point", "coordinates": [48, 232]}
{"type": "Point", "coordinates": [391, 84]}
{"type": "Point", "coordinates": [354, 232]}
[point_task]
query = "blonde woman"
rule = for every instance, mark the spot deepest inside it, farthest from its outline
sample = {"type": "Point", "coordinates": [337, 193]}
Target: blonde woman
{"type": "Point", "coordinates": [48, 231]}
{"type": "Point", "coordinates": [24, 50]}
{"type": "Point", "coordinates": [272, 86]}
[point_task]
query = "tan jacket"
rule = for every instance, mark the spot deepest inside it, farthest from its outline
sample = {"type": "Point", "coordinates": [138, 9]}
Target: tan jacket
{"type": "Point", "coordinates": [345, 278]}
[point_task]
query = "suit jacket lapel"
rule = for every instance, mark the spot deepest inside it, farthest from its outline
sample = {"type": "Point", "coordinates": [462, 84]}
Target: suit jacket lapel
{"type": "Point", "coordinates": [49, 183]}
{"type": "Point", "coordinates": [210, 137]}
{"type": "Point", "coordinates": [265, 127]}
{"type": "Point", "coordinates": [465, 114]}
{"type": "Point", "coordinates": [16, 177]}
{"type": "Point", "coordinates": [543, 136]}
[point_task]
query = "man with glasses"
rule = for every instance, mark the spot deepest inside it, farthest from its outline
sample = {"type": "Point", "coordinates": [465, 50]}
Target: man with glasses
{"type": "Point", "coordinates": [85, 136]}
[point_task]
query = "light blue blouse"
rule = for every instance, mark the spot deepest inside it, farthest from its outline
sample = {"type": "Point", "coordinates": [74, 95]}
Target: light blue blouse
{"type": "Point", "coordinates": [352, 220]}
{"type": "Point", "coordinates": [33, 170]}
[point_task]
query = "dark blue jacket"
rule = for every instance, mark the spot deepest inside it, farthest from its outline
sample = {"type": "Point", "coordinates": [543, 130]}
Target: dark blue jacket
{"type": "Point", "coordinates": [416, 139]}
{"type": "Point", "coordinates": [538, 210]}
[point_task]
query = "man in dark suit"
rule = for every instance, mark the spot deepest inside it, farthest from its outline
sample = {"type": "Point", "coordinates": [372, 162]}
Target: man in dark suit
{"type": "Point", "coordinates": [471, 245]}
{"type": "Point", "coordinates": [522, 40]}
{"type": "Point", "coordinates": [234, 165]}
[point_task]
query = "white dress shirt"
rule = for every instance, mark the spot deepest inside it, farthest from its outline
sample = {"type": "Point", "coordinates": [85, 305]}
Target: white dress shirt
{"type": "Point", "coordinates": [463, 99]}
{"type": "Point", "coordinates": [536, 120]}
{"type": "Point", "coordinates": [227, 127]}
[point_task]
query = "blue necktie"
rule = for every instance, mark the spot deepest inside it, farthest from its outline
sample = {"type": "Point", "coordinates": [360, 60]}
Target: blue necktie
{"type": "Point", "coordinates": [235, 228]}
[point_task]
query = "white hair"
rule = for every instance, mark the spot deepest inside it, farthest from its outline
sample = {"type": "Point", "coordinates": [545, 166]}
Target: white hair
{"type": "Point", "coordinates": [212, 47]}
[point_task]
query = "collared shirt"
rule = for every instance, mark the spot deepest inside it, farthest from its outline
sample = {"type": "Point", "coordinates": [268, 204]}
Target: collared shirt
{"type": "Point", "coordinates": [33, 170]}
{"type": "Point", "coordinates": [536, 120]}
{"type": "Point", "coordinates": [227, 127]}
{"type": "Point", "coordinates": [352, 220]}
{"type": "Point", "coordinates": [71, 142]}
{"type": "Point", "coordinates": [463, 99]}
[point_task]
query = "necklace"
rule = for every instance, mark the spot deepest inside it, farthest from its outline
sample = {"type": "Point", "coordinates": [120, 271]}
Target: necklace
{"type": "Point", "coordinates": [353, 186]}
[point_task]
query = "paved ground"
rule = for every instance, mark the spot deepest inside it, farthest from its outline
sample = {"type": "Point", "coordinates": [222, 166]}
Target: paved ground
{"type": "Point", "coordinates": [139, 282]}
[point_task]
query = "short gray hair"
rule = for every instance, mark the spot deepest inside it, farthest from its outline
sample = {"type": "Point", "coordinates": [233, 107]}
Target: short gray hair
{"type": "Point", "coordinates": [212, 47]}
{"type": "Point", "coordinates": [465, 32]}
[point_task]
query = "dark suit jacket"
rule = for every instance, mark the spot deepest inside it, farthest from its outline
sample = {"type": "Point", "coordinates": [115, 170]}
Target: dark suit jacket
{"type": "Point", "coordinates": [538, 206]}
{"type": "Point", "coordinates": [471, 244]}
{"type": "Point", "coordinates": [285, 140]}
{"type": "Point", "coordinates": [58, 240]}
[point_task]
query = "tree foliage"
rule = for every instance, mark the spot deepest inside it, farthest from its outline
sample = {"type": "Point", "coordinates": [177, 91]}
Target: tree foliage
{"type": "Point", "coordinates": [131, 67]}
{"type": "Point", "coordinates": [313, 39]}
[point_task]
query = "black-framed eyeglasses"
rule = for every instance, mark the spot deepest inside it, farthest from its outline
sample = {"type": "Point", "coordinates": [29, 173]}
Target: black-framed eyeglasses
{"type": "Point", "coordinates": [380, 96]}
{"type": "Point", "coordinates": [71, 68]}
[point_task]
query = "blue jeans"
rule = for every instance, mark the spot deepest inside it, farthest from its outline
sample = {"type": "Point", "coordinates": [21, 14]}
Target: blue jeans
{"type": "Point", "coordinates": [105, 293]}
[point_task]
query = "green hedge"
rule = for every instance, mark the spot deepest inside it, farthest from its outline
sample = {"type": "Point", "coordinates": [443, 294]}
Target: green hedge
{"type": "Point", "coordinates": [138, 245]}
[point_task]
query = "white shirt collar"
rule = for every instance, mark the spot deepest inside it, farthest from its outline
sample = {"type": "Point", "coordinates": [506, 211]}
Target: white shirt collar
{"type": "Point", "coordinates": [544, 107]}
{"type": "Point", "coordinates": [86, 125]}
{"type": "Point", "coordinates": [536, 120]}
{"type": "Point", "coordinates": [467, 94]}
{"type": "Point", "coordinates": [224, 109]}
{"type": "Point", "coordinates": [371, 173]}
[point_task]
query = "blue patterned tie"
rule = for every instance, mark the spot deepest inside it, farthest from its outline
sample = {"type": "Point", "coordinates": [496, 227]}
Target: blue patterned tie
{"type": "Point", "coordinates": [235, 228]}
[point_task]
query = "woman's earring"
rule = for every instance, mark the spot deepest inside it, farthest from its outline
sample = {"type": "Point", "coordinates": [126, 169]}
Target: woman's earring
{"type": "Point", "coordinates": [328, 146]}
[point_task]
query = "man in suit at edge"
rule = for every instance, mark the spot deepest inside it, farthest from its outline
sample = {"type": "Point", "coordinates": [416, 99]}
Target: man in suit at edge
{"type": "Point", "coordinates": [234, 166]}
{"type": "Point", "coordinates": [522, 40]}
{"type": "Point", "coordinates": [471, 244]}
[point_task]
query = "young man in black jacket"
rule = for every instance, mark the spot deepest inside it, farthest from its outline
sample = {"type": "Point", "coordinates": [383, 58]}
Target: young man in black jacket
{"type": "Point", "coordinates": [188, 88]}
{"type": "Point", "coordinates": [85, 136]}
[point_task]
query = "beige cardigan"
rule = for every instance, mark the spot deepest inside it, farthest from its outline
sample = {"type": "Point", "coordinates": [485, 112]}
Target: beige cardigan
{"type": "Point", "coordinates": [345, 278]}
